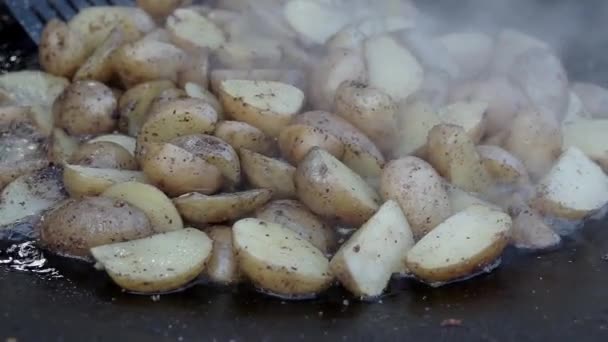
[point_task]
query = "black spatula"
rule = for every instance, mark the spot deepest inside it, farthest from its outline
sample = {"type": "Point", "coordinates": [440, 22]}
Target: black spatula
{"type": "Point", "coordinates": [34, 14]}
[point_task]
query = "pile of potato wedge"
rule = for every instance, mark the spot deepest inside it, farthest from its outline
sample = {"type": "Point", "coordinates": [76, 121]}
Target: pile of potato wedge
{"type": "Point", "coordinates": [235, 141]}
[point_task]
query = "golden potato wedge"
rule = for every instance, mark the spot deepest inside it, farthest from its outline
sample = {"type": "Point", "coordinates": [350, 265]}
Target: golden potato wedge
{"type": "Point", "coordinates": [370, 109]}
{"type": "Point", "coordinates": [590, 137]}
{"type": "Point", "coordinates": [127, 142]}
{"type": "Point", "coordinates": [392, 68]}
{"type": "Point", "coordinates": [472, 51]}
{"type": "Point", "coordinates": [469, 115]}
{"type": "Point", "coordinates": [418, 189]}
{"type": "Point", "coordinates": [594, 98]}
{"type": "Point", "coordinates": [360, 153]}
{"type": "Point", "coordinates": [574, 188]}
{"type": "Point", "coordinates": [135, 104]}
{"type": "Point", "coordinates": [80, 224]}
{"type": "Point", "coordinates": [86, 107]}
{"type": "Point", "coordinates": [277, 260]}
{"type": "Point", "coordinates": [243, 135]}
{"type": "Point", "coordinates": [269, 106]}
{"type": "Point", "coordinates": [203, 209]}
{"type": "Point", "coordinates": [99, 66]}
{"type": "Point", "coordinates": [31, 88]}
{"type": "Point", "coordinates": [216, 152]}
{"type": "Point", "coordinates": [268, 173]}
{"type": "Point", "coordinates": [30, 195]}
{"type": "Point", "coordinates": [334, 69]}
{"type": "Point", "coordinates": [294, 216]}
{"type": "Point", "coordinates": [332, 190]}
{"type": "Point", "coordinates": [461, 246]}
{"type": "Point", "coordinates": [61, 50]}
{"type": "Point", "coordinates": [82, 181]}
{"type": "Point", "coordinates": [414, 120]}
{"type": "Point", "coordinates": [163, 215]}
{"type": "Point", "coordinates": [103, 155]}
{"type": "Point", "coordinates": [190, 30]}
{"type": "Point", "coordinates": [297, 140]}
{"type": "Point", "coordinates": [502, 166]}
{"type": "Point", "coordinates": [148, 60]}
{"type": "Point", "coordinates": [453, 154]}
{"type": "Point", "coordinates": [158, 263]}
{"type": "Point", "coordinates": [61, 146]}
{"type": "Point", "coordinates": [365, 263]}
{"type": "Point", "coordinates": [293, 77]}
{"type": "Point", "coordinates": [328, 19]}
{"type": "Point", "coordinates": [222, 266]}
{"type": "Point", "coordinates": [176, 171]}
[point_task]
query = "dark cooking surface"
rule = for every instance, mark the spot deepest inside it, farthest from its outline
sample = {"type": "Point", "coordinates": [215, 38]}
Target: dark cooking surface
{"type": "Point", "coordinates": [556, 296]}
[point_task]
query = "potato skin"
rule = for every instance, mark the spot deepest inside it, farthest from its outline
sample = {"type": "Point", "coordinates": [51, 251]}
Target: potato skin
{"type": "Point", "coordinates": [135, 103]}
{"type": "Point", "coordinates": [104, 155]}
{"type": "Point", "coordinates": [79, 224]}
{"type": "Point", "coordinates": [268, 173]}
{"type": "Point", "coordinates": [419, 190]}
{"type": "Point", "coordinates": [297, 140]}
{"type": "Point", "coordinates": [242, 135]}
{"type": "Point", "coordinates": [86, 107]}
{"type": "Point", "coordinates": [61, 49]}
{"type": "Point", "coordinates": [222, 266]}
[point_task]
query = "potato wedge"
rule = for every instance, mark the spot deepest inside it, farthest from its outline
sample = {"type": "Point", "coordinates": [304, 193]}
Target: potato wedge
{"type": "Point", "coordinates": [176, 171]}
{"type": "Point", "coordinates": [369, 109]}
{"type": "Point", "coordinates": [277, 260]}
{"type": "Point", "coordinates": [502, 166]}
{"type": "Point", "coordinates": [469, 115]}
{"type": "Point", "coordinates": [21, 151]}
{"type": "Point", "coordinates": [460, 199]}
{"type": "Point", "coordinates": [360, 153]}
{"type": "Point", "coordinates": [531, 232]}
{"type": "Point", "coordinates": [99, 66]}
{"type": "Point", "coordinates": [191, 31]}
{"type": "Point", "coordinates": [160, 9]}
{"type": "Point", "coordinates": [243, 135]}
{"type": "Point", "coordinates": [594, 98]}
{"type": "Point", "coordinates": [203, 209]}
{"type": "Point", "coordinates": [163, 215]}
{"type": "Point", "coordinates": [590, 137]}
{"type": "Point", "coordinates": [453, 154]}
{"type": "Point", "coordinates": [216, 152]}
{"type": "Point", "coordinates": [367, 260]}
{"type": "Point", "coordinates": [196, 69]}
{"type": "Point", "coordinates": [297, 140]}
{"type": "Point", "coordinates": [392, 68]}
{"type": "Point", "coordinates": [429, 52]}
{"type": "Point", "coordinates": [414, 120]}
{"type": "Point", "coordinates": [198, 92]}
{"type": "Point", "coordinates": [574, 188]}
{"type": "Point", "coordinates": [30, 195]}
{"type": "Point", "coordinates": [352, 36]}
{"type": "Point", "coordinates": [294, 216]}
{"type": "Point", "coordinates": [127, 142]}
{"type": "Point", "coordinates": [158, 263]}
{"type": "Point", "coordinates": [82, 181]}
{"type": "Point", "coordinates": [222, 266]}
{"type": "Point", "coordinates": [135, 104]}
{"type": "Point", "coordinates": [249, 53]}
{"type": "Point", "coordinates": [328, 19]}
{"type": "Point", "coordinates": [472, 51]}
{"type": "Point", "coordinates": [80, 224]}
{"type": "Point", "coordinates": [332, 190]}
{"type": "Point", "coordinates": [61, 146]}
{"type": "Point", "coordinates": [103, 155]}
{"type": "Point", "coordinates": [293, 77]}
{"type": "Point", "coordinates": [268, 173]}
{"type": "Point", "coordinates": [269, 106]}
{"type": "Point", "coordinates": [62, 50]}
{"type": "Point", "coordinates": [31, 88]}
{"type": "Point", "coordinates": [418, 189]}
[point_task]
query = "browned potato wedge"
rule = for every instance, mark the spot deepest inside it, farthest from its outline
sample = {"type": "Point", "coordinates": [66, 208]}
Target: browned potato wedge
{"type": "Point", "coordinates": [158, 263]}
{"type": "Point", "coordinates": [415, 121]}
{"type": "Point", "coordinates": [243, 135]}
{"type": "Point", "coordinates": [177, 118]}
{"type": "Point", "coordinates": [594, 98]}
{"type": "Point", "coordinates": [332, 190]}
{"type": "Point", "coordinates": [536, 140]}
{"type": "Point", "coordinates": [160, 8]}
{"type": "Point", "coordinates": [418, 189]}
{"type": "Point", "coordinates": [216, 152]}
{"type": "Point", "coordinates": [360, 153]}
{"type": "Point", "coordinates": [61, 146]}
{"type": "Point", "coordinates": [190, 30]}
{"type": "Point", "coordinates": [453, 154]}
{"type": "Point", "coordinates": [176, 171]}
{"type": "Point", "coordinates": [334, 69]}
{"type": "Point", "coordinates": [365, 263]}
{"type": "Point", "coordinates": [277, 260]}
{"type": "Point", "coordinates": [203, 209]}
{"type": "Point", "coordinates": [82, 181]}
{"type": "Point", "coordinates": [79, 224]}
{"type": "Point", "coordinates": [269, 106]}
{"type": "Point", "coordinates": [135, 103]}
{"type": "Point", "coordinates": [268, 173]}
{"type": "Point", "coordinates": [86, 107]}
{"type": "Point", "coordinates": [30, 195]}
{"type": "Point", "coordinates": [222, 266]}
{"type": "Point", "coordinates": [198, 92]}
{"type": "Point", "coordinates": [62, 50]}
{"type": "Point", "coordinates": [369, 109]}
{"type": "Point", "coordinates": [392, 68]}
{"type": "Point", "coordinates": [590, 137]}
{"type": "Point", "coordinates": [574, 188]}
{"type": "Point", "coordinates": [294, 216]}
{"type": "Point", "coordinates": [461, 246]}
{"type": "Point", "coordinates": [502, 165]}
{"type": "Point", "coordinates": [99, 66]}
{"type": "Point", "coordinates": [127, 142]}
{"type": "Point", "coordinates": [249, 53]}
{"type": "Point", "coordinates": [472, 51]}
{"type": "Point", "coordinates": [510, 45]}
{"type": "Point", "coordinates": [469, 115]}
{"type": "Point", "coordinates": [293, 77]}
{"type": "Point", "coordinates": [297, 140]}
{"type": "Point", "coordinates": [148, 60]}
{"type": "Point", "coordinates": [103, 155]}
{"type": "Point", "coordinates": [163, 215]}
